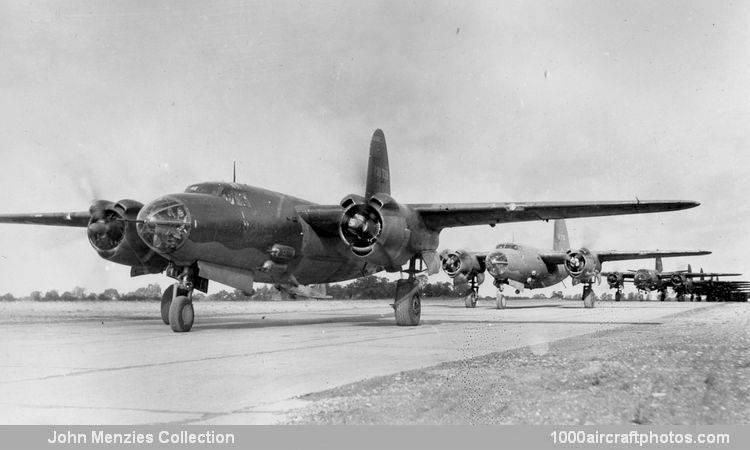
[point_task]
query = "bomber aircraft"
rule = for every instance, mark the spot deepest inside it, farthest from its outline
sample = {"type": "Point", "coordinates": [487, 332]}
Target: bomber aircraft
{"type": "Point", "coordinates": [523, 266]}
{"type": "Point", "coordinates": [237, 234]}
{"type": "Point", "coordinates": [648, 280]}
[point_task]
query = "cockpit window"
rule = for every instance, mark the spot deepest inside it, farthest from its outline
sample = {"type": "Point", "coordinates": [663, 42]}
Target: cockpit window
{"type": "Point", "coordinates": [234, 197]}
{"type": "Point", "coordinates": [205, 188]}
{"type": "Point", "coordinates": [510, 246]}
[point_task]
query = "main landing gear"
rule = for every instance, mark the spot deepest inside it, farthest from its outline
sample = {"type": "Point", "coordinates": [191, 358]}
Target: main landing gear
{"type": "Point", "coordinates": [470, 300]}
{"type": "Point", "coordinates": [177, 299]}
{"type": "Point", "coordinates": [408, 303]}
{"type": "Point", "coordinates": [618, 294]}
{"type": "Point", "coordinates": [588, 296]}
{"type": "Point", "coordinates": [662, 295]}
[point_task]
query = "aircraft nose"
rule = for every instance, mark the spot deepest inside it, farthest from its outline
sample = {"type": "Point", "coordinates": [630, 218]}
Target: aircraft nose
{"type": "Point", "coordinates": [164, 224]}
{"type": "Point", "coordinates": [497, 264]}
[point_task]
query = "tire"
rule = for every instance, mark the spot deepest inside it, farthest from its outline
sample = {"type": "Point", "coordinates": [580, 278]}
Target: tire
{"type": "Point", "coordinates": [181, 314]}
{"type": "Point", "coordinates": [500, 300]}
{"type": "Point", "coordinates": [618, 296]}
{"type": "Point", "coordinates": [408, 304]}
{"type": "Point", "coordinates": [166, 301]}
{"type": "Point", "coordinates": [680, 298]}
{"type": "Point", "coordinates": [662, 296]}
{"type": "Point", "coordinates": [470, 301]}
{"type": "Point", "coordinates": [589, 299]}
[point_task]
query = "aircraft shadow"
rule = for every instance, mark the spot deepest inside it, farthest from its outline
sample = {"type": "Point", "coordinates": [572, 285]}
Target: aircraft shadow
{"type": "Point", "coordinates": [531, 322]}
{"type": "Point", "coordinates": [493, 307]}
{"type": "Point", "coordinates": [221, 324]}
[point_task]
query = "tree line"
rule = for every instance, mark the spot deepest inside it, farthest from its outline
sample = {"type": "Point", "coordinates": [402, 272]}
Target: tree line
{"type": "Point", "coordinates": [369, 287]}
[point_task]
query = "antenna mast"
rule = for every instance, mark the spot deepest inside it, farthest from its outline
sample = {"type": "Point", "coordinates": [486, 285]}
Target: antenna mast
{"type": "Point", "coordinates": [234, 171]}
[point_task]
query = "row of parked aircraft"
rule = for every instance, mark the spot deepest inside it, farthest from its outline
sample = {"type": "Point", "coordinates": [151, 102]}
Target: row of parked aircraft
{"type": "Point", "coordinates": [522, 267]}
{"type": "Point", "coordinates": [237, 235]}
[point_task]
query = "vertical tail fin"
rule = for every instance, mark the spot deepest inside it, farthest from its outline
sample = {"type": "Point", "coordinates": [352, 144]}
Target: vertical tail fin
{"type": "Point", "coordinates": [658, 265]}
{"type": "Point", "coordinates": [560, 238]}
{"type": "Point", "coordinates": [690, 269]}
{"type": "Point", "coordinates": [378, 173]}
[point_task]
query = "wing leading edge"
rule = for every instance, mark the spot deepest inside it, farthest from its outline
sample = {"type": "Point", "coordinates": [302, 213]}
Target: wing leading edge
{"type": "Point", "coordinates": [439, 216]}
{"type": "Point", "coordinates": [71, 219]}
{"type": "Point", "coordinates": [615, 255]}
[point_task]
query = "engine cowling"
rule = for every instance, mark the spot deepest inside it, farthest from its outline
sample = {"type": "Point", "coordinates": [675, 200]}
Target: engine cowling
{"type": "Point", "coordinates": [115, 238]}
{"type": "Point", "coordinates": [462, 266]}
{"type": "Point", "coordinates": [615, 279]}
{"type": "Point", "coordinates": [677, 280]}
{"type": "Point", "coordinates": [582, 265]}
{"type": "Point", "coordinates": [378, 229]}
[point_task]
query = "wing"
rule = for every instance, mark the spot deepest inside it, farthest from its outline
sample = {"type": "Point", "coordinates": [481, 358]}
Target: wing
{"type": "Point", "coordinates": [71, 219]}
{"type": "Point", "coordinates": [710, 274]}
{"type": "Point", "coordinates": [325, 218]}
{"type": "Point", "coordinates": [615, 255]}
{"type": "Point", "coordinates": [439, 216]}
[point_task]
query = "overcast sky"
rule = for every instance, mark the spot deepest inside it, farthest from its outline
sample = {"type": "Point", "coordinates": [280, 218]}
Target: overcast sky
{"type": "Point", "coordinates": [479, 101]}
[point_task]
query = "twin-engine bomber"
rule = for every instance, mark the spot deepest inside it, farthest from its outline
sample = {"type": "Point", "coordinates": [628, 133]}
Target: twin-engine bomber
{"type": "Point", "coordinates": [525, 267]}
{"type": "Point", "coordinates": [237, 234]}
{"type": "Point", "coordinates": [682, 282]}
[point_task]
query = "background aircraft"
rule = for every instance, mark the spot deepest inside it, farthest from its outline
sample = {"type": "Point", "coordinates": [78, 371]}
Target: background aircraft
{"type": "Point", "coordinates": [525, 267]}
{"type": "Point", "coordinates": [647, 280]}
{"type": "Point", "coordinates": [237, 234]}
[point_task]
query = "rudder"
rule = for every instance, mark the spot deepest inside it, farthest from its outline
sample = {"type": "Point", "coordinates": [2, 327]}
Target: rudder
{"type": "Point", "coordinates": [378, 173]}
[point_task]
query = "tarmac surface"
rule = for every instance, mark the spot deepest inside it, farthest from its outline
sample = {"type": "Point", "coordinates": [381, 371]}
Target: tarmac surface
{"type": "Point", "coordinates": [248, 363]}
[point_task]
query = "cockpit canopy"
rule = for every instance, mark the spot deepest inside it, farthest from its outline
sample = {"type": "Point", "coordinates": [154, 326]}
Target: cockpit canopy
{"type": "Point", "coordinates": [230, 192]}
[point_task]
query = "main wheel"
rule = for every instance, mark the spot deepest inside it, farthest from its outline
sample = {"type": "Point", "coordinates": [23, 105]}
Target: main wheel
{"type": "Point", "coordinates": [166, 301]}
{"type": "Point", "coordinates": [181, 314]}
{"type": "Point", "coordinates": [588, 298]}
{"type": "Point", "coordinates": [408, 311]}
{"type": "Point", "coordinates": [662, 296]}
{"type": "Point", "coordinates": [408, 304]}
{"type": "Point", "coordinates": [470, 301]}
{"type": "Point", "coordinates": [618, 296]}
{"type": "Point", "coordinates": [500, 300]}
{"type": "Point", "coordinates": [680, 297]}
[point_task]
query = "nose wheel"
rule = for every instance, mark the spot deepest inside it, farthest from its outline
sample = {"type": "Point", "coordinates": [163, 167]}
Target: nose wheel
{"type": "Point", "coordinates": [589, 299]}
{"type": "Point", "coordinates": [166, 302]}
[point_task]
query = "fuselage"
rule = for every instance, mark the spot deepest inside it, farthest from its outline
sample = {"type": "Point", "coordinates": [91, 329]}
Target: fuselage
{"type": "Point", "coordinates": [247, 229]}
{"type": "Point", "coordinates": [523, 265]}
{"type": "Point", "coordinates": [648, 280]}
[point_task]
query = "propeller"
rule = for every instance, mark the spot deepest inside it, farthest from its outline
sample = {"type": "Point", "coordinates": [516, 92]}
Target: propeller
{"type": "Point", "coordinates": [106, 226]}
{"type": "Point", "coordinates": [360, 226]}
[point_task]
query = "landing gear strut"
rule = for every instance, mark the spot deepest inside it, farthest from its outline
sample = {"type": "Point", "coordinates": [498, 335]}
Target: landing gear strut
{"type": "Point", "coordinates": [662, 295]}
{"type": "Point", "coordinates": [618, 294]}
{"type": "Point", "coordinates": [588, 296]}
{"type": "Point", "coordinates": [408, 303]}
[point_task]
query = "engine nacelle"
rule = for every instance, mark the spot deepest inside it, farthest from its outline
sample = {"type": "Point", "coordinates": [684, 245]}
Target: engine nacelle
{"type": "Point", "coordinates": [615, 280]}
{"type": "Point", "coordinates": [582, 265]}
{"type": "Point", "coordinates": [677, 280]}
{"type": "Point", "coordinates": [462, 266]}
{"type": "Point", "coordinates": [378, 230]}
{"type": "Point", "coordinates": [115, 239]}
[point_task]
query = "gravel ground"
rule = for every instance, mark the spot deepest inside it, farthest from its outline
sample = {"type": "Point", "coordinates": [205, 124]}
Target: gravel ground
{"type": "Point", "coordinates": [692, 369]}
